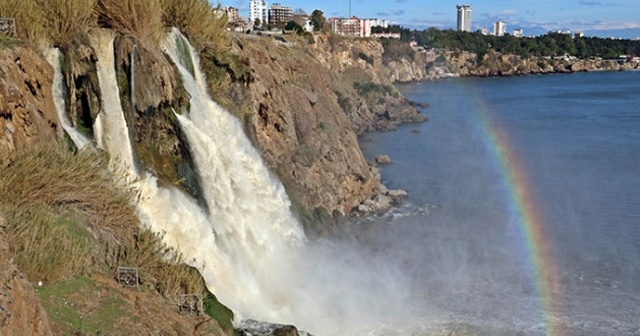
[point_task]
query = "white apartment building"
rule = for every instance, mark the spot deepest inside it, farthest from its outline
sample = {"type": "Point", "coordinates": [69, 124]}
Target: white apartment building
{"type": "Point", "coordinates": [464, 18]}
{"type": "Point", "coordinates": [367, 24]}
{"type": "Point", "coordinates": [258, 10]}
{"type": "Point", "coordinates": [499, 28]}
{"type": "Point", "coordinates": [518, 32]}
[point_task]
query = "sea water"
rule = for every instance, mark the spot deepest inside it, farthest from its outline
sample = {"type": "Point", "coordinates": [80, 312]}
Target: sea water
{"type": "Point", "coordinates": [578, 139]}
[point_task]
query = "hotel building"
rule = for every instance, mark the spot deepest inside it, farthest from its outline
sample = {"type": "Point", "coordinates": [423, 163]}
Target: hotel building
{"type": "Point", "coordinates": [464, 18]}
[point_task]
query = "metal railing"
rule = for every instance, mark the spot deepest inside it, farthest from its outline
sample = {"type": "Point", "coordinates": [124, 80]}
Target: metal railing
{"type": "Point", "coordinates": [8, 26]}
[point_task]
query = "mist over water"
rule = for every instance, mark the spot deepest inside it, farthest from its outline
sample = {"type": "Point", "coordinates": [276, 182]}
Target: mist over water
{"type": "Point", "coordinates": [578, 137]}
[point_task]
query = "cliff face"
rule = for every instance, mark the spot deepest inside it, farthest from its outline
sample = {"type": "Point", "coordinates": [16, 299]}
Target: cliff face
{"type": "Point", "coordinates": [27, 113]}
{"type": "Point", "coordinates": [364, 83]}
{"type": "Point", "coordinates": [305, 105]}
{"type": "Point", "coordinates": [301, 130]}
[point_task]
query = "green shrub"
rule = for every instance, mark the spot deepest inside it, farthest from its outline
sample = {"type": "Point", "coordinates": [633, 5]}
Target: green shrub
{"type": "Point", "coordinates": [365, 57]}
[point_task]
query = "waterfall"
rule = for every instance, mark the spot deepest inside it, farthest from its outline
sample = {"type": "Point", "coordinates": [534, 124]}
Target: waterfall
{"type": "Point", "coordinates": [249, 209]}
{"type": "Point", "coordinates": [110, 127]}
{"type": "Point", "coordinates": [248, 232]}
{"type": "Point", "coordinates": [132, 92]}
{"type": "Point", "coordinates": [59, 93]}
{"type": "Point", "coordinates": [248, 246]}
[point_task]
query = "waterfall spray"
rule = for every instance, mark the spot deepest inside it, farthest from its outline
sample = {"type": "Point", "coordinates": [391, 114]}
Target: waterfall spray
{"type": "Point", "coordinates": [59, 92]}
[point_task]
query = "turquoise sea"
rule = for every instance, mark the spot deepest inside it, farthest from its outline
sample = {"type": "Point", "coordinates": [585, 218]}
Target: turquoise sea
{"type": "Point", "coordinates": [576, 138]}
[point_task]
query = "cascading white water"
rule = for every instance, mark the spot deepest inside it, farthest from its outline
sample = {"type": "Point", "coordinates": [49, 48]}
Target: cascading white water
{"type": "Point", "coordinates": [132, 91]}
{"type": "Point", "coordinates": [248, 246]}
{"type": "Point", "coordinates": [249, 208]}
{"type": "Point", "coordinates": [59, 93]}
{"type": "Point", "coordinates": [110, 127]}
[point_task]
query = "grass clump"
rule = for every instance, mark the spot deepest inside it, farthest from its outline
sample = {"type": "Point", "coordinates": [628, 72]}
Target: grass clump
{"type": "Point", "coordinates": [28, 15]}
{"type": "Point", "coordinates": [52, 191]}
{"type": "Point", "coordinates": [140, 19]}
{"type": "Point", "coordinates": [46, 246]}
{"type": "Point", "coordinates": [58, 22]}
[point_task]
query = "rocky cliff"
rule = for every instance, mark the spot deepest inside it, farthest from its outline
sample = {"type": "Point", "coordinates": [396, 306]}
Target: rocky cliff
{"type": "Point", "coordinates": [436, 64]}
{"type": "Point", "coordinates": [305, 105]}
{"type": "Point", "coordinates": [27, 113]}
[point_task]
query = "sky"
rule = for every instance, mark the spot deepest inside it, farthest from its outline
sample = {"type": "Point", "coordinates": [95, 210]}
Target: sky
{"type": "Point", "coordinates": [604, 18]}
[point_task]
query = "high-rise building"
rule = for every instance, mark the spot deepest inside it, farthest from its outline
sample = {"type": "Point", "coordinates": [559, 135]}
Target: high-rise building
{"type": "Point", "coordinates": [258, 10]}
{"type": "Point", "coordinates": [280, 15]}
{"type": "Point", "coordinates": [464, 18]}
{"type": "Point", "coordinates": [499, 28]}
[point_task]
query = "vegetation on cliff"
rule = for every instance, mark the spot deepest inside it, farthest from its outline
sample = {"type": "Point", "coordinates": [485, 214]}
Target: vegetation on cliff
{"type": "Point", "coordinates": [551, 44]}
{"type": "Point", "coordinates": [62, 22]}
{"type": "Point", "coordinates": [67, 218]}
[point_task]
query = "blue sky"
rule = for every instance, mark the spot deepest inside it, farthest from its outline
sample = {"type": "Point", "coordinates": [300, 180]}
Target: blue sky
{"type": "Point", "coordinates": [605, 18]}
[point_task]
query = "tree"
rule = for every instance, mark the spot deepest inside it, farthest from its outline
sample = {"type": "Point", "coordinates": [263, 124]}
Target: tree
{"type": "Point", "coordinates": [256, 23]}
{"type": "Point", "coordinates": [294, 26]}
{"type": "Point", "coordinates": [318, 20]}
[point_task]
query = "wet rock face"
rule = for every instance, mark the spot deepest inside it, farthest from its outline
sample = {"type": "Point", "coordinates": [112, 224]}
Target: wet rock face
{"type": "Point", "coordinates": [27, 113]}
{"type": "Point", "coordinates": [20, 311]}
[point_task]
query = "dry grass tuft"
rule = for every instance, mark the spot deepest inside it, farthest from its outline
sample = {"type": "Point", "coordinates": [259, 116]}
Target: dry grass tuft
{"type": "Point", "coordinates": [52, 176]}
{"type": "Point", "coordinates": [45, 246]}
{"type": "Point", "coordinates": [66, 20]}
{"type": "Point", "coordinates": [199, 21]}
{"type": "Point", "coordinates": [28, 15]}
{"type": "Point", "coordinates": [51, 196]}
{"type": "Point", "coordinates": [58, 22]}
{"type": "Point", "coordinates": [141, 19]}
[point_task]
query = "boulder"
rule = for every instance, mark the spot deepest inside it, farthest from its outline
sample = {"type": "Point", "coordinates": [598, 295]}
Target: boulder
{"type": "Point", "coordinates": [397, 194]}
{"type": "Point", "coordinates": [383, 159]}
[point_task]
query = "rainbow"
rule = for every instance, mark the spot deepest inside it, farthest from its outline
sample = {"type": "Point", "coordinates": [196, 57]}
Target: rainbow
{"type": "Point", "coordinates": [522, 206]}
